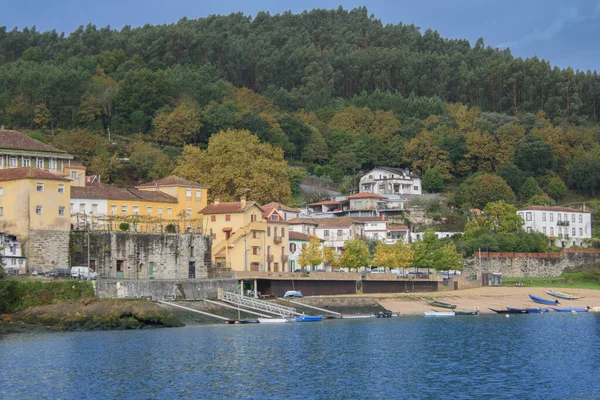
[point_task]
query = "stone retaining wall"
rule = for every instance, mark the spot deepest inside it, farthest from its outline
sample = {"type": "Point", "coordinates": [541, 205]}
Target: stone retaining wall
{"type": "Point", "coordinates": [177, 289]}
{"type": "Point", "coordinates": [47, 250]}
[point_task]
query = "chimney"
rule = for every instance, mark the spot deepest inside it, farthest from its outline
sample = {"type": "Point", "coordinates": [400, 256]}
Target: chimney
{"type": "Point", "coordinates": [216, 202]}
{"type": "Point", "coordinates": [243, 202]}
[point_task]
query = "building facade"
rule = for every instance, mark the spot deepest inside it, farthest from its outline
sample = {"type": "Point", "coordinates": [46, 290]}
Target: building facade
{"type": "Point", "coordinates": [387, 181]}
{"type": "Point", "coordinates": [565, 227]}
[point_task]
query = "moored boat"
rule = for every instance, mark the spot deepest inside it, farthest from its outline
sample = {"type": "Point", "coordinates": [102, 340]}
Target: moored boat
{"type": "Point", "coordinates": [384, 314]}
{"type": "Point", "coordinates": [247, 321]}
{"type": "Point", "coordinates": [476, 312]}
{"type": "Point", "coordinates": [509, 311]}
{"type": "Point", "coordinates": [571, 309]}
{"type": "Point", "coordinates": [434, 313]}
{"type": "Point", "coordinates": [441, 304]}
{"type": "Point", "coordinates": [594, 309]}
{"type": "Point", "coordinates": [274, 320]}
{"type": "Point", "coordinates": [309, 318]}
{"type": "Point", "coordinates": [544, 301]}
{"type": "Point", "coordinates": [562, 295]}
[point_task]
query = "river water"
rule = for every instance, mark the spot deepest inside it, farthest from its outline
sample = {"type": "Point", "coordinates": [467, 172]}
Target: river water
{"type": "Point", "coordinates": [543, 356]}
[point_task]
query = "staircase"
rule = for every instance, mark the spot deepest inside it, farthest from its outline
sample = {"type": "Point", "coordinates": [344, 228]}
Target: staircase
{"type": "Point", "coordinates": [252, 303]}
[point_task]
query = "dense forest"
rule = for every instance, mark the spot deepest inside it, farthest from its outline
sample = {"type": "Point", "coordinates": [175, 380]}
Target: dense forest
{"type": "Point", "coordinates": [337, 90]}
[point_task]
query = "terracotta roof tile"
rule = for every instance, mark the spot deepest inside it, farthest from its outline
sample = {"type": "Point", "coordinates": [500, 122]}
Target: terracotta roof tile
{"type": "Point", "coordinates": [13, 174]}
{"type": "Point", "coordinates": [109, 192]}
{"type": "Point", "coordinates": [226, 208]}
{"type": "Point", "coordinates": [18, 141]}
{"type": "Point", "coordinates": [301, 236]}
{"type": "Point", "coordinates": [303, 221]}
{"type": "Point", "coordinates": [172, 181]}
{"type": "Point", "coordinates": [368, 219]}
{"type": "Point", "coordinates": [337, 222]}
{"type": "Point", "coordinates": [398, 228]}
{"type": "Point", "coordinates": [548, 208]}
{"type": "Point", "coordinates": [280, 206]}
{"type": "Point", "coordinates": [326, 203]}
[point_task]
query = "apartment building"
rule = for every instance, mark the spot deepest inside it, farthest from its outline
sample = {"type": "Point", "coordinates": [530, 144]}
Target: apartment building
{"type": "Point", "coordinates": [564, 226]}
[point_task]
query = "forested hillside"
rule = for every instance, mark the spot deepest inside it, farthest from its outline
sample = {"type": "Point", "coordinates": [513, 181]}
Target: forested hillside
{"type": "Point", "coordinates": [337, 90]}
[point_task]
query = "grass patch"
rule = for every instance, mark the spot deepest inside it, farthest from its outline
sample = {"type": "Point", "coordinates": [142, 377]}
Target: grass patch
{"type": "Point", "coordinates": [20, 294]}
{"type": "Point", "coordinates": [580, 280]}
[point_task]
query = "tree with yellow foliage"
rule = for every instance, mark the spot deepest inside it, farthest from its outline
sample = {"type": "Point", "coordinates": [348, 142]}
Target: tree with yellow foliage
{"type": "Point", "coordinates": [312, 253]}
{"type": "Point", "coordinates": [397, 255]}
{"type": "Point", "coordinates": [236, 164]}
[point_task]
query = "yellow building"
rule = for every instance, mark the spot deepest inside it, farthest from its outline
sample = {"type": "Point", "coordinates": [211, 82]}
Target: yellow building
{"type": "Point", "coordinates": [246, 236]}
{"type": "Point", "coordinates": [34, 207]}
{"type": "Point", "coordinates": [169, 204]}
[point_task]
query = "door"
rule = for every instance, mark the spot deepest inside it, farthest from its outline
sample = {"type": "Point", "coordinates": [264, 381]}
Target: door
{"type": "Point", "coordinates": [254, 266]}
{"type": "Point", "coordinates": [192, 270]}
{"type": "Point", "coordinates": [150, 268]}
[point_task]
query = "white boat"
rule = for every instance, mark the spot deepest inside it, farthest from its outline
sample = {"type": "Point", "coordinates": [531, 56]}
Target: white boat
{"type": "Point", "coordinates": [273, 320]}
{"type": "Point", "coordinates": [439, 313]}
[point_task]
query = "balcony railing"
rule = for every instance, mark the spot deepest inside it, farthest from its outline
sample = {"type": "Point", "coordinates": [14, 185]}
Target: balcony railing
{"type": "Point", "coordinates": [284, 258]}
{"type": "Point", "coordinates": [270, 257]}
{"type": "Point", "coordinates": [562, 223]}
{"type": "Point", "coordinates": [277, 239]}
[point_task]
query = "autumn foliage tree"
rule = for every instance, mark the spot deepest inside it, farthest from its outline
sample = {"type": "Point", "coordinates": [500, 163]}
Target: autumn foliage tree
{"type": "Point", "coordinates": [312, 253]}
{"type": "Point", "coordinates": [236, 164]}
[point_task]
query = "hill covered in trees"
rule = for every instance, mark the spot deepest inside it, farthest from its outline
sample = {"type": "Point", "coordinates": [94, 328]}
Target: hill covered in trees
{"type": "Point", "coordinates": [337, 90]}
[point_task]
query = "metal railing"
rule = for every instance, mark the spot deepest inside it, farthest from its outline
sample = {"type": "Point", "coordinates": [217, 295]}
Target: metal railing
{"type": "Point", "coordinates": [562, 223]}
{"type": "Point", "coordinates": [277, 239]}
{"type": "Point", "coordinates": [270, 257]}
{"type": "Point", "coordinates": [250, 302]}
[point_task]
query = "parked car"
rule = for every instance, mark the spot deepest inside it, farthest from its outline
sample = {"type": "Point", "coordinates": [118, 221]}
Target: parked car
{"type": "Point", "coordinates": [80, 272]}
{"type": "Point", "coordinates": [417, 275]}
{"type": "Point", "coordinates": [62, 273]}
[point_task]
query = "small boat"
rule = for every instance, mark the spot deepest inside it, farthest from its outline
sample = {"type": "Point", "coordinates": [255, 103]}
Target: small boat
{"type": "Point", "coordinates": [434, 313]}
{"type": "Point", "coordinates": [509, 311]}
{"type": "Point", "coordinates": [594, 309]}
{"type": "Point", "coordinates": [333, 316]}
{"type": "Point", "coordinates": [273, 320]}
{"type": "Point", "coordinates": [571, 309]}
{"type": "Point", "coordinates": [292, 293]}
{"type": "Point", "coordinates": [247, 321]}
{"type": "Point", "coordinates": [441, 304]}
{"type": "Point", "coordinates": [476, 312]}
{"type": "Point", "coordinates": [562, 295]}
{"type": "Point", "coordinates": [530, 310]}
{"type": "Point", "coordinates": [544, 301]}
{"type": "Point", "coordinates": [357, 316]}
{"type": "Point", "coordinates": [309, 318]}
{"type": "Point", "coordinates": [384, 314]}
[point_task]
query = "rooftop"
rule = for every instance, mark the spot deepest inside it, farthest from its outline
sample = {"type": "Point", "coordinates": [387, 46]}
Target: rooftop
{"type": "Point", "coordinates": [398, 228]}
{"type": "Point", "coordinates": [172, 181]}
{"type": "Point", "coordinates": [325, 203]}
{"type": "Point", "coordinates": [14, 174]}
{"type": "Point", "coordinates": [280, 206]}
{"type": "Point", "coordinates": [301, 236]}
{"type": "Point", "coordinates": [364, 195]}
{"type": "Point", "coordinates": [109, 192]}
{"type": "Point", "coordinates": [14, 140]}
{"type": "Point", "coordinates": [227, 208]}
{"type": "Point", "coordinates": [549, 208]}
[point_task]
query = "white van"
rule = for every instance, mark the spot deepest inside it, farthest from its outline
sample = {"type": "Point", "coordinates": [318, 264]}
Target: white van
{"type": "Point", "coordinates": [79, 272]}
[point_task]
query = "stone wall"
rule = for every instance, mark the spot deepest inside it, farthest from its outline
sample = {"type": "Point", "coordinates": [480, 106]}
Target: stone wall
{"type": "Point", "coordinates": [127, 255]}
{"type": "Point", "coordinates": [47, 250]}
{"type": "Point", "coordinates": [529, 265]}
{"type": "Point", "coordinates": [178, 289]}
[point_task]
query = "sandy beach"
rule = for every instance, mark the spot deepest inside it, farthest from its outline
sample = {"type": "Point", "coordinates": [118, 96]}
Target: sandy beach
{"type": "Point", "coordinates": [484, 298]}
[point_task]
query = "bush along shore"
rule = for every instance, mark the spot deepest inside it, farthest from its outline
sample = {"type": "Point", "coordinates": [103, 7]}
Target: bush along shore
{"type": "Point", "coordinates": [70, 305]}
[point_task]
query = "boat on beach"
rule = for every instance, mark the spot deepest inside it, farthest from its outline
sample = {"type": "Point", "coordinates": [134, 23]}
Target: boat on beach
{"type": "Point", "coordinates": [476, 312]}
{"type": "Point", "coordinates": [562, 295]}
{"type": "Point", "coordinates": [434, 313]}
{"type": "Point", "coordinates": [441, 304]}
{"type": "Point", "coordinates": [529, 310]}
{"type": "Point", "coordinates": [571, 309]}
{"type": "Point", "coordinates": [541, 300]}
{"type": "Point", "coordinates": [510, 311]}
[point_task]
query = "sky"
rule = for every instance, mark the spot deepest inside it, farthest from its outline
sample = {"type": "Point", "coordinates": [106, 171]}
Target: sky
{"type": "Point", "coordinates": [562, 32]}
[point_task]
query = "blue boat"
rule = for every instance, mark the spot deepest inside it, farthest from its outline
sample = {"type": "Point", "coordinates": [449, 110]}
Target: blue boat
{"type": "Point", "coordinates": [571, 309]}
{"type": "Point", "coordinates": [309, 318]}
{"type": "Point", "coordinates": [529, 310]}
{"type": "Point", "coordinates": [544, 301]}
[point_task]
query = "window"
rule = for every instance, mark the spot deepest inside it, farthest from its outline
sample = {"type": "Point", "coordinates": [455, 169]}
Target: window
{"type": "Point", "coordinates": [82, 207]}
{"type": "Point", "coordinates": [148, 210]}
{"type": "Point", "coordinates": [40, 163]}
{"type": "Point", "coordinates": [1, 190]}
{"type": "Point", "coordinates": [292, 247]}
{"type": "Point", "coordinates": [198, 193]}
{"type": "Point", "coordinates": [52, 164]}
{"type": "Point", "coordinates": [12, 161]}
{"type": "Point", "coordinates": [521, 215]}
{"type": "Point", "coordinates": [73, 174]}
{"type": "Point", "coordinates": [269, 231]}
{"type": "Point", "coordinates": [227, 217]}
{"type": "Point", "coordinates": [188, 212]}
{"type": "Point", "coordinates": [572, 217]}
{"type": "Point", "coordinates": [61, 211]}
{"type": "Point", "coordinates": [95, 208]}
{"type": "Point", "coordinates": [544, 230]}
{"type": "Point", "coordinates": [213, 218]}
{"type": "Point", "coordinates": [61, 188]}
{"type": "Point", "coordinates": [544, 217]}
{"type": "Point", "coordinates": [254, 234]}
{"type": "Point", "coordinates": [26, 162]}
{"type": "Point", "coordinates": [1, 211]}
{"type": "Point", "coordinates": [551, 231]}
{"type": "Point", "coordinates": [551, 217]}
{"type": "Point", "coordinates": [123, 209]}
{"type": "Point", "coordinates": [528, 229]}
{"type": "Point", "coordinates": [188, 192]}
{"type": "Point", "coordinates": [580, 231]}
{"type": "Point", "coordinates": [253, 218]}
{"type": "Point", "coordinates": [113, 209]}
{"type": "Point", "coordinates": [573, 232]}
{"type": "Point", "coordinates": [559, 230]}
{"type": "Point", "coordinates": [528, 216]}
{"type": "Point", "coordinates": [72, 208]}
{"type": "Point", "coordinates": [136, 210]}
{"type": "Point", "coordinates": [340, 233]}
{"type": "Point", "coordinates": [282, 232]}
{"type": "Point", "coordinates": [580, 217]}
{"type": "Point", "coordinates": [274, 217]}
{"type": "Point", "coordinates": [566, 218]}
{"type": "Point", "coordinates": [169, 211]}
{"type": "Point", "coordinates": [38, 210]}
{"type": "Point", "coordinates": [255, 250]}
{"type": "Point", "coordinates": [39, 187]}
{"type": "Point", "coordinates": [558, 217]}
{"type": "Point", "coordinates": [326, 232]}
{"type": "Point", "coordinates": [160, 210]}
{"type": "Point", "coordinates": [416, 188]}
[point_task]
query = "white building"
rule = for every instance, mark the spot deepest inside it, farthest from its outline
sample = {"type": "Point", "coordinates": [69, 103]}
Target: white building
{"type": "Point", "coordinates": [564, 226]}
{"type": "Point", "coordinates": [375, 228]}
{"type": "Point", "coordinates": [297, 241]}
{"type": "Point", "coordinates": [388, 181]}
{"type": "Point", "coordinates": [397, 233]}
{"type": "Point", "coordinates": [11, 252]}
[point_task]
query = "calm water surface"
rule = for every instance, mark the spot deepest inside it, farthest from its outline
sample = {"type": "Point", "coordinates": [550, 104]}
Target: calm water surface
{"type": "Point", "coordinates": [552, 356]}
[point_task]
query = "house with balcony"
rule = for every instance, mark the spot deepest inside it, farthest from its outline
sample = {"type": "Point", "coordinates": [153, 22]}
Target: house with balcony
{"type": "Point", "coordinates": [374, 228]}
{"type": "Point", "coordinates": [307, 226]}
{"type": "Point", "coordinates": [334, 231]}
{"type": "Point", "coordinates": [397, 233]}
{"type": "Point", "coordinates": [387, 181]}
{"type": "Point", "coordinates": [564, 226]}
{"type": "Point", "coordinates": [329, 208]}
{"type": "Point", "coordinates": [246, 237]}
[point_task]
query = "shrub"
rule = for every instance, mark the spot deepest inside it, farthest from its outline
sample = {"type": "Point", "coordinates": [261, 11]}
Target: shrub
{"type": "Point", "coordinates": [124, 226]}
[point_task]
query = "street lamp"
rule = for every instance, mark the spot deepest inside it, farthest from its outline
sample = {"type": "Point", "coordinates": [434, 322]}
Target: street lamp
{"type": "Point", "coordinates": [88, 239]}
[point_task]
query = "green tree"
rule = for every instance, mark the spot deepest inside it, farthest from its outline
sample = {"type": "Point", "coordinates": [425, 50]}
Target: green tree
{"type": "Point", "coordinates": [432, 180]}
{"type": "Point", "coordinates": [179, 127]}
{"type": "Point", "coordinates": [497, 216]}
{"type": "Point", "coordinates": [425, 250]}
{"type": "Point", "coordinates": [397, 255]}
{"type": "Point", "coordinates": [480, 189]}
{"type": "Point", "coordinates": [236, 164]}
{"type": "Point", "coordinates": [356, 254]}
{"type": "Point", "coordinates": [529, 189]}
{"type": "Point", "coordinates": [556, 188]}
{"type": "Point", "coordinates": [446, 258]}
{"type": "Point", "coordinates": [312, 253]}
